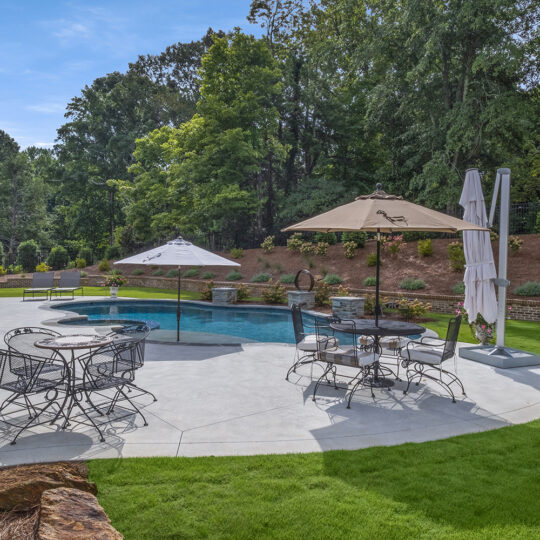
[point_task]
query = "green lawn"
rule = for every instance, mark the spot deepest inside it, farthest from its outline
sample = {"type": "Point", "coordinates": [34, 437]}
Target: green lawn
{"type": "Point", "coordinates": [484, 485]}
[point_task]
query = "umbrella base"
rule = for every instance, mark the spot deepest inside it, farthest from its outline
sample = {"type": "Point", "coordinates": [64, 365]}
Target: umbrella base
{"type": "Point", "coordinates": [504, 358]}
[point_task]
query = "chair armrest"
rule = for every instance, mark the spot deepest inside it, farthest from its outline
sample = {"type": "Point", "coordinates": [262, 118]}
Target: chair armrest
{"type": "Point", "coordinates": [430, 341]}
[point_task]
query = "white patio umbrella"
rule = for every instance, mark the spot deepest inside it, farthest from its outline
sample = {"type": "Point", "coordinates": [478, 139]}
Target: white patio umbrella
{"type": "Point", "coordinates": [178, 252]}
{"type": "Point", "coordinates": [480, 268]}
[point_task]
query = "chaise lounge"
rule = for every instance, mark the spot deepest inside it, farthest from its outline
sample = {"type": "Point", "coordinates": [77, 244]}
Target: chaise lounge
{"type": "Point", "coordinates": [69, 283]}
{"type": "Point", "coordinates": [42, 283]}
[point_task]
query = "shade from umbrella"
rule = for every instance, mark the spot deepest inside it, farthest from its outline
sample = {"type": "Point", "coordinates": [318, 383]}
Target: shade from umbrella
{"type": "Point", "coordinates": [178, 252]}
{"type": "Point", "coordinates": [381, 212]}
{"type": "Point", "coordinates": [480, 268]}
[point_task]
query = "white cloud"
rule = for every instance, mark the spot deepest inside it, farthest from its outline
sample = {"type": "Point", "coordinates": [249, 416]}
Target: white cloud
{"type": "Point", "coordinates": [47, 108]}
{"type": "Point", "coordinates": [69, 30]}
{"type": "Point", "coordinates": [44, 144]}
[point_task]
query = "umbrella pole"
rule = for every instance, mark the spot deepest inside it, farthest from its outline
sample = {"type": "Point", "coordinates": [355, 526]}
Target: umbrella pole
{"type": "Point", "coordinates": [178, 308]}
{"type": "Point", "coordinates": [377, 308]}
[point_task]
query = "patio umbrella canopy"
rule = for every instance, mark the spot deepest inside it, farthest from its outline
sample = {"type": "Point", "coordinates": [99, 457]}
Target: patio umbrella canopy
{"type": "Point", "coordinates": [381, 212]}
{"type": "Point", "coordinates": [178, 252]}
{"type": "Point", "coordinates": [480, 270]}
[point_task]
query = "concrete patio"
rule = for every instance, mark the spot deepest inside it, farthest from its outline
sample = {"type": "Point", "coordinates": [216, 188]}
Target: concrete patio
{"type": "Point", "coordinates": [231, 400]}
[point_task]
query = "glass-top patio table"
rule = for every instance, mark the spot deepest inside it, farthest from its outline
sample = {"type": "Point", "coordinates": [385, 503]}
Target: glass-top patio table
{"type": "Point", "coordinates": [73, 343]}
{"type": "Point", "coordinates": [385, 327]}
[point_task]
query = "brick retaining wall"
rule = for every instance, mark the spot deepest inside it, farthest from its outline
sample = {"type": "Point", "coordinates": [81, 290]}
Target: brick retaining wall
{"type": "Point", "coordinates": [522, 309]}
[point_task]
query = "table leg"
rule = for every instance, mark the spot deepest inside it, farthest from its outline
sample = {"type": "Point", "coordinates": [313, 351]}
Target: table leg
{"type": "Point", "coordinates": [378, 379]}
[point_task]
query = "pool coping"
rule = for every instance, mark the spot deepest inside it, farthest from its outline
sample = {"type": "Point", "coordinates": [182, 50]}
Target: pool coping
{"type": "Point", "coordinates": [71, 316]}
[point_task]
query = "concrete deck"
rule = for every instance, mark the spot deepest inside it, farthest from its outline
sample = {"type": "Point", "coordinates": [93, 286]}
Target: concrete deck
{"type": "Point", "coordinates": [235, 401]}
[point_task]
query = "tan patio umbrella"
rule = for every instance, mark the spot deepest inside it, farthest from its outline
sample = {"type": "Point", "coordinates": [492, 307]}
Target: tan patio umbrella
{"type": "Point", "coordinates": [383, 213]}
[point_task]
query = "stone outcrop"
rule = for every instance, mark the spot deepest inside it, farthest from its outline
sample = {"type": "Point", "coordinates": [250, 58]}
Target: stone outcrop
{"type": "Point", "coordinates": [70, 514]}
{"type": "Point", "coordinates": [21, 487]}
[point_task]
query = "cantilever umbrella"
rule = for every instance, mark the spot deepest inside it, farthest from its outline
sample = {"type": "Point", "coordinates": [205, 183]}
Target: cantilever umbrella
{"type": "Point", "coordinates": [179, 253]}
{"type": "Point", "coordinates": [383, 213]}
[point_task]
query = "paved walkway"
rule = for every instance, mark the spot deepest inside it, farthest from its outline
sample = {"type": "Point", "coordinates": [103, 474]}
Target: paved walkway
{"type": "Point", "coordinates": [235, 400]}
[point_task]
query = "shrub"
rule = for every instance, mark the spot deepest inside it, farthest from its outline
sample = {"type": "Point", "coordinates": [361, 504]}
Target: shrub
{"type": "Point", "coordinates": [321, 248]}
{"type": "Point", "coordinates": [329, 237]}
{"type": "Point", "coordinates": [42, 267]}
{"type": "Point", "coordinates": [116, 272]}
{"type": "Point", "coordinates": [2, 257]}
{"type": "Point", "coordinates": [84, 274]}
{"type": "Point", "coordinates": [359, 238]}
{"type": "Point", "coordinates": [459, 288]}
{"type": "Point", "coordinates": [268, 244]}
{"type": "Point", "coordinates": [261, 278]}
{"type": "Point", "coordinates": [531, 288]}
{"type": "Point", "coordinates": [158, 272]}
{"type": "Point", "coordinates": [138, 272]}
{"type": "Point", "coordinates": [104, 265]}
{"type": "Point", "coordinates": [295, 242]}
{"type": "Point", "coordinates": [412, 309]}
{"type": "Point", "coordinates": [172, 273]}
{"type": "Point", "coordinates": [350, 249]}
{"type": "Point", "coordinates": [208, 275]}
{"type": "Point", "coordinates": [3, 271]}
{"type": "Point", "coordinates": [425, 247]}
{"type": "Point", "coordinates": [370, 281]}
{"type": "Point", "coordinates": [394, 243]}
{"type": "Point", "coordinates": [343, 291]}
{"type": "Point", "coordinates": [58, 258]}
{"type": "Point", "coordinates": [15, 269]}
{"type": "Point", "coordinates": [80, 262]}
{"type": "Point", "coordinates": [237, 253]}
{"type": "Point", "coordinates": [412, 284]}
{"type": "Point", "coordinates": [266, 265]}
{"type": "Point", "coordinates": [333, 279]}
{"type": "Point", "coordinates": [27, 255]}
{"type": "Point", "coordinates": [287, 278]}
{"type": "Point", "coordinates": [274, 294]}
{"type": "Point", "coordinates": [242, 292]}
{"type": "Point", "coordinates": [191, 272]}
{"type": "Point", "coordinates": [206, 291]}
{"type": "Point", "coordinates": [322, 293]}
{"type": "Point", "coordinates": [307, 248]}
{"type": "Point", "coordinates": [71, 265]}
{"type": "Point", "coordinates": [456, 256]}
{"type": "Point", "coordinates": [154, 267]}
{"type": "Point", "coordinates": [371, 259]}
{"type": "Point", "coordinates": [233, 275]}
{"type": "Point", "coordinates": [493, 236]}
{"type": "Point", "coordinates": [86, 254]}
{"type": "Point", "coordinates": [112, 252]}
{"type": "Point", "coordinates": [515, 243]}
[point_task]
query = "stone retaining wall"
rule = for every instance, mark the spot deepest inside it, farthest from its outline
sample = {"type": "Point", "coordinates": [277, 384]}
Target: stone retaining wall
{"type": "Point", "coordinates": [522, 309]}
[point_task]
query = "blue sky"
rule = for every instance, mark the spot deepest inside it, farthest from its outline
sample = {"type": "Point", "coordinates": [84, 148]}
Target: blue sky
{"type": "Point", "coordinates": [50, 49]}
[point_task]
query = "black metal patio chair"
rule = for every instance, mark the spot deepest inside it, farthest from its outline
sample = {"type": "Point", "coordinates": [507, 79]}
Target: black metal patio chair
{"type": "Point", "coordinates": [354, 356]}
{"type": "Point", "coordinates": [306, 342]}
{"type": "Point", "coordinates": [424, 358]}
{"type": "Point", "coordinates": [33, 389]}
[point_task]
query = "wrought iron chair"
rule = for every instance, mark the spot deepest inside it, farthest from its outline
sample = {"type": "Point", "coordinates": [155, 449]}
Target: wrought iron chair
{"type": "Point", "coordinates": [136, 333]}
{"type": "Point", "coordinates": [424, 358]}
{"type": "Point", "coordinates": [111, 367]}
{"type": "Point", "coordinates": [306, 343]}
{"type": "Point", "coordinates": [354, 356]}
{"type": "Point", "coordinates": [33, 388]}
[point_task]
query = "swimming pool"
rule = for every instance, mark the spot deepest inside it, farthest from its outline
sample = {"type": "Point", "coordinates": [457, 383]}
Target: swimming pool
{"type": "Point", "coordinates": [200, 322]}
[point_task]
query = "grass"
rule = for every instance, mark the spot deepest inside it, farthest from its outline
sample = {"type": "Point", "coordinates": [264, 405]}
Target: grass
{"type": "Point", "coordinates": [131, 292]}
{"type": "Point", "coordinates": [484, 485]}
{"type": "Point", "coordinates": [519, 334]}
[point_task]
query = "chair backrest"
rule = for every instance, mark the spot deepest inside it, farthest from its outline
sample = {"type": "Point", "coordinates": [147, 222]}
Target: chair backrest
{"type": "Point", "coordinates": [136, 333]}
{"type": "Point", "coordinates": [451, 338]}
{"type": "Point", "coordinates": [42, 280]}
{"type": "Point", "coordinates": [22, 339]}
{"type": "Point", "coordinates": [298, 323]}
{"type": "Point", "coordinates": [110, 364]}
{"type": "Point", "coordinates": [70, 279]}
{"type": "Point", "coordinates": [24, 373]}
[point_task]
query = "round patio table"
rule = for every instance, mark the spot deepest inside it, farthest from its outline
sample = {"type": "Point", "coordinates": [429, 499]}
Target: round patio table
{"type": "Point", "coordinates": [386, 327]}
{"type": "Point", "coordinates": [73, 343]}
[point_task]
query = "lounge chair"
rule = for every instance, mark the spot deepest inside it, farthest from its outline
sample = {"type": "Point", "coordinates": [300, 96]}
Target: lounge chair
{"type": "Point", "coordinates": [69, 283]}
{"type": "Point", "coordinates": [42, 283]}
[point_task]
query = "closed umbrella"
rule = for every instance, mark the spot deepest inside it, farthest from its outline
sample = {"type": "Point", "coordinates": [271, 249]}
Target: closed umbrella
{"type": "Point", "coordinates": [381, 212]}
{"type": "Point", "coordinates": [480, 269]}
{"type": "Point", "coordinates": [178, 252]}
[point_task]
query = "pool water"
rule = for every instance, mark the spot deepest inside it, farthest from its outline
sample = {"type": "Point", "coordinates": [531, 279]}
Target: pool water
{"type": "Point", "coordinates": [208, 323]}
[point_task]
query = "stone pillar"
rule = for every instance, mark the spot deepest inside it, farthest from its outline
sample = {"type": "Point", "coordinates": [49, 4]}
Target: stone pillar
{"type": "Point", "coordinates": [347, 307]}
{"type": "Point", "coordinates": [303, 299]}
{"type": "Point", "coordinates": [223, 296]}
